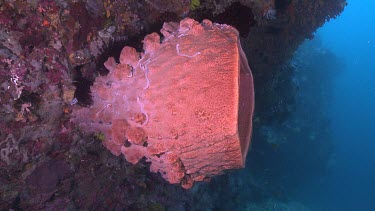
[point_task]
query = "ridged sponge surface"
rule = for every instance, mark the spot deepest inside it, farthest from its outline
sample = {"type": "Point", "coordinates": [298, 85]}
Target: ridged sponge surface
{"type": "Point", "coordinates": [185, 104]}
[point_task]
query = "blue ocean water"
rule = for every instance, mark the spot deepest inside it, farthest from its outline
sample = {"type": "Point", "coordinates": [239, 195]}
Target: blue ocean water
{"type": "Point", "coordinates": [350, 182]}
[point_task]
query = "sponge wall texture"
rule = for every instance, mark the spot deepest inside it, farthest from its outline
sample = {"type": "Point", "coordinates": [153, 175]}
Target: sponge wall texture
{"type": "Point", "coordinates": [185, 104]}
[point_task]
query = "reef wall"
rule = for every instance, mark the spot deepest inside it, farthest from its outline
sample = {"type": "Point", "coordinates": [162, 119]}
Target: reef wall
{"type": "Point", "coordinates": [51, 52]}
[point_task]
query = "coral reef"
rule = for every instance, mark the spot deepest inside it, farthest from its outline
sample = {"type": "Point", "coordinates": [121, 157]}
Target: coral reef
{"type": "Point", "coordinates": [51, 51]}
{"type": "Point", "coordinates": [186, 104]}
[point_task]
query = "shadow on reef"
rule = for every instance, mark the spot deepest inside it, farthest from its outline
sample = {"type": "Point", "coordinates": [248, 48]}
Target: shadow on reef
{"type": "Point", "coordinates": [52, 50]}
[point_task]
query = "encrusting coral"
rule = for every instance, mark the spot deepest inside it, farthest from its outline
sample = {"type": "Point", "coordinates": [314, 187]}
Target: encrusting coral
{"type": "Point", "coordinates": [185, 104]}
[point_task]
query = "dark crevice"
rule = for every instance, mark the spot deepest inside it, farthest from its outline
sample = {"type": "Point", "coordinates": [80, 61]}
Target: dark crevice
{"type": "Point", "coordinates": [237, 15]}
{"type": "Point", "coordinates": [282, 4]}
{"type": "Point", "coordinates": [127, 143]}
{"type": "Point", "coordinates": [82, 85]}
{"type": "Point", "coordinates": [160, 154]}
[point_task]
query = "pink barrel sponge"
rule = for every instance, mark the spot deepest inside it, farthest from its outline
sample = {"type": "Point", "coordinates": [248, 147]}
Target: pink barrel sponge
{"type": "Point", "coordinates": [185, 104]}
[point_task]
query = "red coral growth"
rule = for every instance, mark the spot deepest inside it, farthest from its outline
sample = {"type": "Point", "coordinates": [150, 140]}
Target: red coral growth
{"type": "Point", "coordinates": [186, 104]}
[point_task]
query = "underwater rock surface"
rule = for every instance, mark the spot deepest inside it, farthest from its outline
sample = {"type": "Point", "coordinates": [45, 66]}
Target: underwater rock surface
{"type": "Point", "coordinates": [185, 104]}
